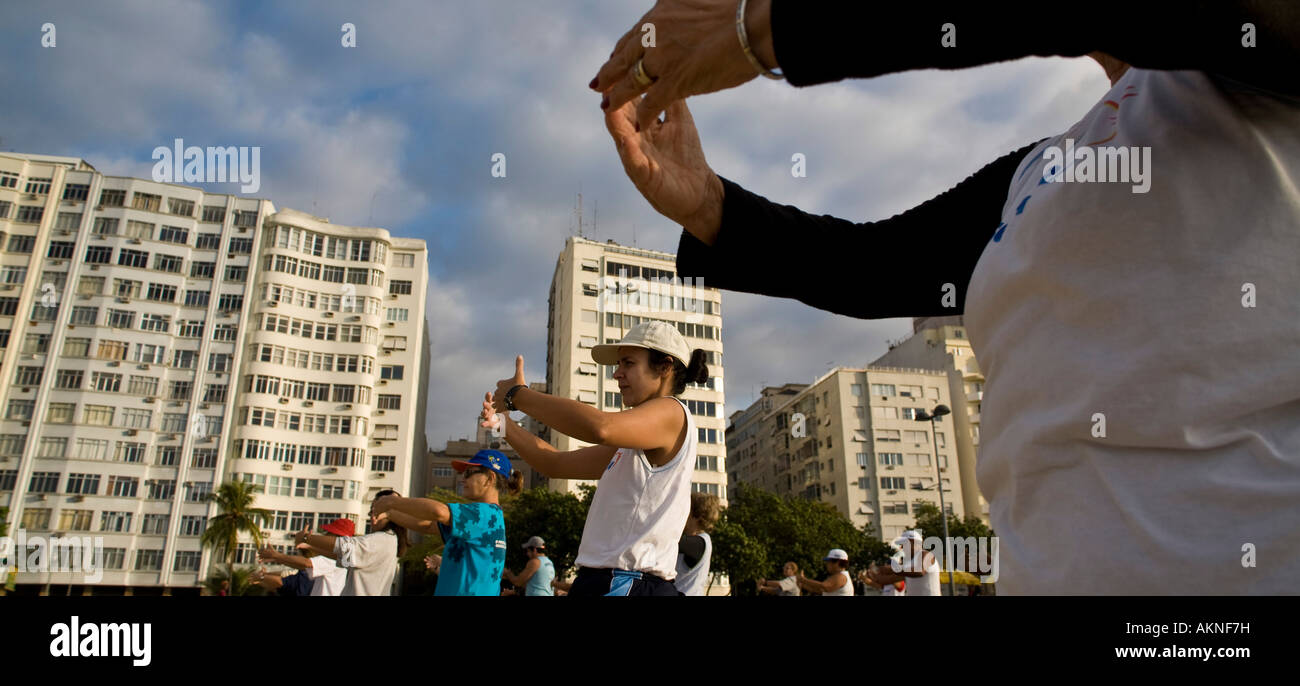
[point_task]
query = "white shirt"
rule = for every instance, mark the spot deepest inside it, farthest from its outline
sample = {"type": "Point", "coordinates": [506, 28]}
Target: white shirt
{"type": "Point", "coordinates": [789, 586]}
{"type": "Point", "coordinates": [694, 580]}
{"type": "Point", "coordinates": [924, 585]}
{"type": "Point", "coordinates": [327, 577]}
{"type": "Point", "coordinates": [639, 511]}
{"type": "Point", "coordinates": [370, 560]}
{"type": "Point", "coordinates": [846, 589]}
{"type": "Point", "coordinates": [1100, 302]}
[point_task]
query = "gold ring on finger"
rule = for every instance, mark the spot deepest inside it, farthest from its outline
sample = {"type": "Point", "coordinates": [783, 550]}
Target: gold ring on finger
{"type": "Point", "coordinates": [642, 79]}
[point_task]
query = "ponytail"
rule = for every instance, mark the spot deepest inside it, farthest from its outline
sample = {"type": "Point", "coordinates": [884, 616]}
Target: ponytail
{"type": "Point", "coordinates": [696, 372]}
{"type": "Point", "coordinates": [513, 486]}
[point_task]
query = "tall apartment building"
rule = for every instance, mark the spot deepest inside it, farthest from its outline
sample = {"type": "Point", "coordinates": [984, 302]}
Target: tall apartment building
{"type": "Point", "coordinates": [850, 439]}
{"type": "Point", "coordinates": [940, 343]}
{"type": "Point", "coordinates": [601, 290]}
{"type": "Point", "coordinates": [159, 340]}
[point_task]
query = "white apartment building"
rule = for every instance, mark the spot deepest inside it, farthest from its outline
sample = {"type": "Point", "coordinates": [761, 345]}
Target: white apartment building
{"type": "Point", "coordinates": [851, 439]}
{"type": "Point", "coordinates": [940, 343]}
{"type": "Point", "coordinates": [156, 345]}
{"type": "Point", "coordinates": [598, 292]}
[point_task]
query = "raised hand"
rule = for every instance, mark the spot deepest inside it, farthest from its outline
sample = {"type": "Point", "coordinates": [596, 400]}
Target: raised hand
{"type": "Point", "coordinates": [504, 385]}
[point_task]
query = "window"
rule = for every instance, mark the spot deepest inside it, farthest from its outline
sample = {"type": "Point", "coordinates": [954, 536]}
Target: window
{"type": "Point", "coordinates": [30, 214]}
{"type": "Point", "coordinates": [190, 329]}
{"type": "Point", "coordinates": [397, 314]}
{"type": "Point", "coordinates": [90, 285]}
{"type": "Point", "coordinates": [44, 482]}
{"type": "Point", "coordinates": [403, 259]}
{"type": "Point", "coordinates": [22, 244]}
{"type": "Point", "coordinates": [399, 287]}
{"type": "Point", "coordinates": [237, 273]}
{"type": "Point", "coordinates": [146, 201]}
{"type": "Point", "coordinates": [149, 354]}
{"type": "Point", "coordinates": [184, 359]}
{"type": "Point", "coordinates": [893, 483]}
{"type": "Point", "coordinates": [228, 302]}
{"type": "Point", "coordinates": [708, 463]}
{"type": "Point", "coordinates": [168, 263]}
{"type": "Point", "coordinates": [133, 258]}
{"type": "Point", "coordinates": [193, 525]}
{"type": "Point", "coordinates": [882, 389]}
{"type": "Point", "coordinates": [186, 560]}
{"type": "Point", "coordinates": [53, 447]}
{"type": "Point", "coordinates": [167, 456]}
{"type": "Point", "coordinates": [135, 229]}
{"type": "Point", "coordinates": [916, 436]}
{"type": "Point", "coordinates": [891, 459]}
{"type": "Point", "coordinates": [241, 246]}
{"type": "Point", "coordinates": [97, 415]}
{"type": "Point", "coordinates": [112, 198]}
{"type": "Point", "coordinates": [390, 402]}
{"type": "Point", "coordinates": [383, 463]}
{"type": "Point", "coordinates": [614, 400]}
{"type": "Point", "coordinates": [202, 270]}
{"type": "Point", "coordinates": [708, 435]}
{"type": "Point", "coordinates": [890, 435]}
{"type": "Point", "coordinates": [29, 376]}
{"type": "Point", "coordinates": [136, 419]}
{"type": "Point", "coordinates": [105, 226]}
{"type": "Point", "coordinates": [174, 422]}
{"type": "Point", "coordinates": [20, 409]}
{"type": "Point", "coordinates": [75, 520]}
{"type": "Point", "coordinates": [121, 319]}
{"type": "Point", "coordinates": [196, 298]}
{"type": "Point", "coordinates": [37, 519]}
{"type": "Point", "coordinates": [909, 413]}
{"type": "Point", "coordinates": [162, 293]}
{"type": "Point", "coordinates": [393, 372]}
{"type": "Point", "coordinates": [58, 250]}
{"type": "Point", "coordinates": [76, 191]}
{"type": "Point", "coordinates": [124, 486]}
{"type": "Point", "coordinates": [8, 180]}
{"type": "Point", "coordinates": [884, 412]}
{"type": "Point", "coordinates": [205, 458]}
{"type": "Point", "coordinates": [197, 491]}
{"type": "Point", "coordinates": [940, 440]}
{"type": "Point", "coordinates": [149, 560]}
{"type": "Point", "coordinates": [920, 459]}
{"type": "Point", "coordinates": [109, 383]}
{"type": "Point", "coordinates": [214, 213]}
{"type": "Point", "coordinates": [909, 391]}
{"type": "Point", "coordinates": [82, 484]}
{"type": "Point", "coordinates": [386, 431]}
{"type": "Point", "coordinates": [115, 522]}
{"type": "Point", "coordinates": [219, 362]}
{"type": "Point", "coordinates": [184, 208]}
{"type": "Point", "coordinates": [245, 218]}
{"type": "Point", "coordinates": [155, 322]}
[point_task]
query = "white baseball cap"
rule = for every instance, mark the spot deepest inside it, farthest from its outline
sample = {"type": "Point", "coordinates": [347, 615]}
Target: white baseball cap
{"type": "Point", "coordinates": [912, 534]}
{"type": "Point", "coordinates": [652, 335]}
{"type": "Point", "coordinates": [836, 554]}
{"type": "Point", "coordinates": [534, 542]}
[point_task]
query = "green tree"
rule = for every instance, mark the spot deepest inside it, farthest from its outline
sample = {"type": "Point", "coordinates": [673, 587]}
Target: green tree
{"type": "Point", "coordinates": [558, 517]}
{"type": "Point", "coordinates": [930, 523]}
{"type": "Point", "coordinates": [760, 531]}
{"type": "Point", "coordinates": [235, 515]}
{"type": "Point", "coordinates": [238, 586]}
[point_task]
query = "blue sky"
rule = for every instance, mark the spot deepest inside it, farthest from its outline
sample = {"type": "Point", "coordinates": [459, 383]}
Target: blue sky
{"type": "Point", "coordinates": [399, 132]}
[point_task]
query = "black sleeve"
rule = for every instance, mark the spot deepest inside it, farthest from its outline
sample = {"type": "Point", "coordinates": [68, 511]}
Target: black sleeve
{"type": "Point", "coordinates": [692, 549]}
{"type": "Point", "coordinates": [817, 41]}
{"type": "Point", "coordinates": [782, 251]}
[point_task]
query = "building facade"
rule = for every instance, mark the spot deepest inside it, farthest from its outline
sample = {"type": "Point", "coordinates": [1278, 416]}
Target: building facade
{"type": "Point", "coordinates": [601, 290]}
{"type": "Point", "coordinates": [156, 344]}
{"type": "Point", "coordinates": [940, 343]}
{"type": "Point", "coordinates": [851, 439]}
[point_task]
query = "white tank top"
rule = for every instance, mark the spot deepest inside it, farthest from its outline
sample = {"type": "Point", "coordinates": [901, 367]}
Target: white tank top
{"type": "Point", "coordinates": [639, 511]}
{"type": "Point", "coordinates": [924, 585]}
{"type": "Point", "coordinates": [693, 580]}
{"type": "Point", "coordinates": [846, 589]}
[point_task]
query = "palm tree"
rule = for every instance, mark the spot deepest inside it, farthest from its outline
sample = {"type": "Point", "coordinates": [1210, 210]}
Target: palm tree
{"type": "Point", "coordinates": [236, 515]}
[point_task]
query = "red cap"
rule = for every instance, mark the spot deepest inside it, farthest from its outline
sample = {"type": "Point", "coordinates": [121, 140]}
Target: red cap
{"type": "Point", "coordinates": [341, 527]}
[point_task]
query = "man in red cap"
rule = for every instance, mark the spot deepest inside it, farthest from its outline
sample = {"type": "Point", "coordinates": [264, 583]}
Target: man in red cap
{"type": "Point", "coordinates": [327, 578]}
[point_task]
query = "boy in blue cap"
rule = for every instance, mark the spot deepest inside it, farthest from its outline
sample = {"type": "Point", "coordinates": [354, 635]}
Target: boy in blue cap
{"type": "Point", "coordinates": [473, 533]}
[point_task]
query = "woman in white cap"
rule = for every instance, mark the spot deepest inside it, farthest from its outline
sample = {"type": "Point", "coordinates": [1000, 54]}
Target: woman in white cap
{"type": "Point", "coordinates": [539, 571]}
{"type": "Point", "coordinates": [837, 582]}
{"type": "Point", "coordinates": [918, 568]}
{"type": "Point", "coordinates": [643, 458]}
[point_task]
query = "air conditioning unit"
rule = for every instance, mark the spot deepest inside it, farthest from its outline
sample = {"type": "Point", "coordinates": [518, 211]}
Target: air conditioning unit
{"type": "Point", "coordinates": [7, 287]}
{"type": "Point", "coordinates": [891, 492]}
{"type": "Point", "coordinates": [134, 241]}
{"type": "Point", "coordinates": [151, 400]}
{"type": "Point", "coordinates": [169, 437]}
{"type": "Point", "coordinates": [142, 366]}
{"type": "Point", "coordinates": [387, 351]}
{"type": "Point", "coordinates": [286, 467]}
{"type": "Point", "coordinates": [77, 498]}
{"type": "Point", "coordinates": [307, 403]}
{"type": "Point", "coordinates": [132, 432]}
{"type": "Point", "coordinates": [328, 314]}
{"type": "Point", "coordinates": [83, 297]}
{"type": "Point", "coordinates": [115, 363]}
{"type": "Point", "coordinates": [243, 229]}
{"type": "Point", "coordinates": [230, 255]}
{"type": "Point", "coordinates": [392, 324]}
{"type": "Point", "coordinates": [331, 470]}
{"type": "Point", "coordinates": [379, 411]}
{"type": "Point", "coordinates": [392, 296]}
{"type": "Point", "coordinates": [100, 237]}
{"type": "Point", "coordinates": [890, 467]}
{"type": "Point", "coordinates": [354, 318]}
{"type": "Point", "coordinates": [272, 303]}
{"type": "Point", "coordinates": [27, 423]}
{"type": "Point", "coordinates": [380, 475]}
{"type": "Point", "coordinates": [383, 382]}
{"type": "Point", "coordinates": [347, 406]}
{"type": "Point", "coordinates": [94, 267]}
{"type": "Point", "coordinates": [29, 196]}
{"type": "Point", "coordinates": [283, 400]}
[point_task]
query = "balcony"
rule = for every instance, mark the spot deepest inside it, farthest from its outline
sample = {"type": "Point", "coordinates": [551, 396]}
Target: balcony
{"type": "Point", "coordinates": [975, 396]}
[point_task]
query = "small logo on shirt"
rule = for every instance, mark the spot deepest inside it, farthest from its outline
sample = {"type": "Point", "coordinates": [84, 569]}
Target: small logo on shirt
{"type": "Point", "coordinates": [617, 456]}
{"type": "Point", "coordinates": [501, 544]}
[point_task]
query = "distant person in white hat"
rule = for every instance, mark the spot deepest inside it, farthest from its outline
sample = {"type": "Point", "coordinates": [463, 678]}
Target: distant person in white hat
{"type": "Point", "coordinates": [920, 569]}
{"type": "Point", "coordinates": [837, 582]}
{"type": "Point", "coordinates": [538, 573]}
{"type": "Point", "coordinates": [643, 458]}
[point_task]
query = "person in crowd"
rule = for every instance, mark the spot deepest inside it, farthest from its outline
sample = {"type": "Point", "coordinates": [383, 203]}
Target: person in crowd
{"type": "Point", "coordinates": [787, 586]}
{"type": "Point", "coordinates": [919, 568]}
{"type": "Point", "coordinates": [695, 549]}
{"type": "Point", "coordinates": [320, 574]}
{"type": "Point", "coordinates": [837, 581]}
{"type": "Point", "coordinates": [642, 457]}
{"type": "Point", "coordinates": [1070, 247]}
{"type": "Point", "coordinates": [538, 573]}
{"type": "Point", "coordinates": [370, 559]}
{"type": "Point", "coordinates": [474, 533]}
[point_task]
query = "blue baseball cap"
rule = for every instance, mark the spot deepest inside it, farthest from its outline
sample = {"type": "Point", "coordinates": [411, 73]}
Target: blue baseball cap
{"type": "Point", "coordinates": [492, 459]}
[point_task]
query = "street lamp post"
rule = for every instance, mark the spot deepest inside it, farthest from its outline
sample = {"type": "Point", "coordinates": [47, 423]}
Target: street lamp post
{"type": "Point", "coordinates": [932, 416]}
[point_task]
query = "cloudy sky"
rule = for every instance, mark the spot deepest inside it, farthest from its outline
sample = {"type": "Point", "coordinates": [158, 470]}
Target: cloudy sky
{"type": "Point", "coordinates": [399, 132]}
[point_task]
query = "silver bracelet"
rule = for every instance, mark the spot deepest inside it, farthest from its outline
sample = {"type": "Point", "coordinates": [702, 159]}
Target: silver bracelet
{"type": "Point", "coordinates": [744, 44]}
